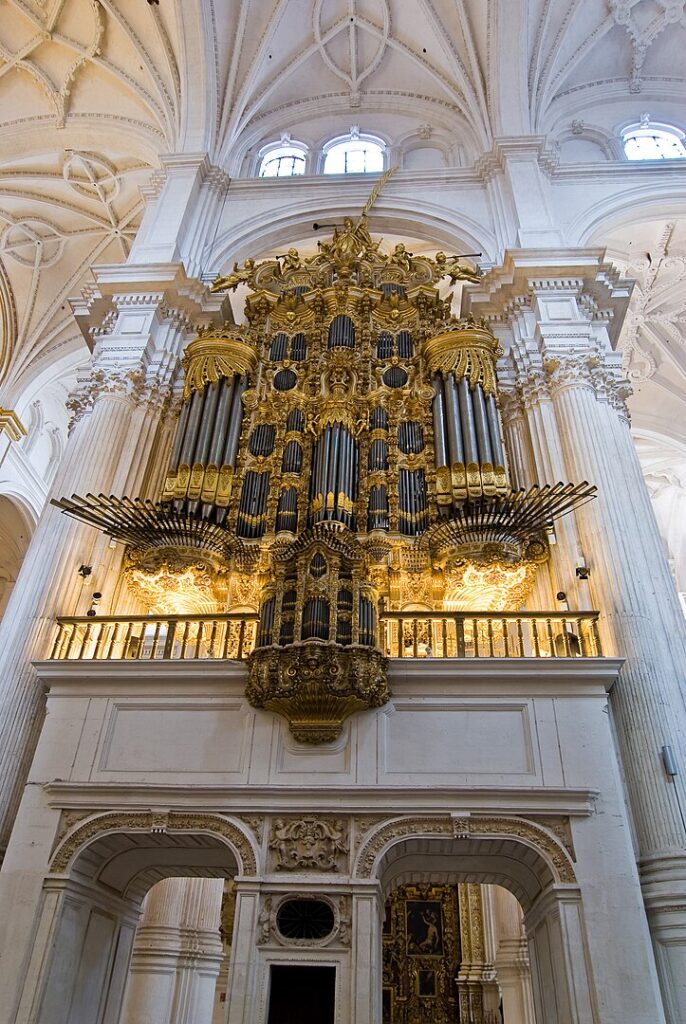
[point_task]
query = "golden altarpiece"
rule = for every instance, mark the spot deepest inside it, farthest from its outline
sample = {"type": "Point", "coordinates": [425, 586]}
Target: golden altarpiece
{"type": "Point", "coordinates": [338, 456]}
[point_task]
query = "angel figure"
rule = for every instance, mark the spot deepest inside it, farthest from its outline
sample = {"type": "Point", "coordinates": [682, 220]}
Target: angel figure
{"type": "Point", "coordinates": [450, 266]}
{"type": "Point", "coordinates": [237, 276]}
{"type": "Point", "coordinates": [291, 261]}
{"type": "Point", "coordinates": [400, 257]}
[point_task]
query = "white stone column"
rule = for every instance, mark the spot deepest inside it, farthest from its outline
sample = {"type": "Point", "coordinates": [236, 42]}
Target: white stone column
{"type": "Point", "coordinates": [512, 959]}
{"type": "Point", "coordinates": [636, 594]}
{"type": "Point", "coordinates": [177, 953]}
{"type": "Point", "coordinates": [100, 454]}
{"type": "Point", "coordinates": [140, 334]}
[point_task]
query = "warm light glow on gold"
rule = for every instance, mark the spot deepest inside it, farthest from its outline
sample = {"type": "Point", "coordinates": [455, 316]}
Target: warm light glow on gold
{"type": "Point", "coordinates": [489, 588]}
{"type": "Point", "coordinates": [167, 592]}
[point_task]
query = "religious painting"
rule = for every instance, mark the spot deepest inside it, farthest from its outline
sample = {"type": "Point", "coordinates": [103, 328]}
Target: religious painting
{"type": "Point", "coordinates": [422, 952]}
{"type": "Point", "coordinates": [426, 983]}
{"type": "Point", "coordinates": [424, 928]}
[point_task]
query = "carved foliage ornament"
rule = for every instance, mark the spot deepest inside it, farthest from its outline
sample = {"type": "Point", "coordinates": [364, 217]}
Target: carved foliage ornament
{"type": "Point", "coordinates": [213, 355]}
{"type": "Point", "coordinates": [468, 351]}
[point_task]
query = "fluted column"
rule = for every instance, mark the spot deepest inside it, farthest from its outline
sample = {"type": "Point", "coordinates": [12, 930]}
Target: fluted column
{"type": "Point", "coordinates": [111, 449]}
{"type": "Point", "coordinates": [512, 959]}
{"type": "Point", "coordinates": [105, 453]}
{"type": "Point", "coordinates": [635, 592]}
{"type": "Point", "coordinates": [177, 953]}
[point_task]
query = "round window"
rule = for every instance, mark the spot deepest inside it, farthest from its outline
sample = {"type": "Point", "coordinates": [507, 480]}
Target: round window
{"type": "Point", "coordinates": [305, 919]}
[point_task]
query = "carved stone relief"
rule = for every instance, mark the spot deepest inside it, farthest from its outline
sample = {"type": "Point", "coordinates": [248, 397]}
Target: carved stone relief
{"type": "Point", "coordinates": [309, 844]}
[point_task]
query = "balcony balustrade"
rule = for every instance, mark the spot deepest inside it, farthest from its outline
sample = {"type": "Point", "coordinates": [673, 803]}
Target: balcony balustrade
{"type": "Point", "coordinates": [401, 635]}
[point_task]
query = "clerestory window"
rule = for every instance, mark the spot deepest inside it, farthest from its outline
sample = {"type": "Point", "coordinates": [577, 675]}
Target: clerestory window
{"type": "Point", "coordinates": [354, 155]}
{"type": "Point", "coordinates": [282, 163]}
{"type": "Point", "coordinates": [647, 141]}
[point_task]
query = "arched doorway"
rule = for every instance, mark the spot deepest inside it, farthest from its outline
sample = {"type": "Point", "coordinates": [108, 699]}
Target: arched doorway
{"type": "Point", "coordinates": [527, 859]}
{"type": "Point", "coordinates": [91, 905]}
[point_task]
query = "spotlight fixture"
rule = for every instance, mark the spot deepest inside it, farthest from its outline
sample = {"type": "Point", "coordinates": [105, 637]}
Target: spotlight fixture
{"type": "Point", "coordinates": [85, 571]}
{"type": "Point", "coordinates": [582, 571]}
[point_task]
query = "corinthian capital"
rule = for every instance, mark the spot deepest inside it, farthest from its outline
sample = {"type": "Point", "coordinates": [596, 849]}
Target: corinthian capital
{"type": "Point", "coordinates": [133, 386]}
{"type": "Point", "coordinates": [568, 370]}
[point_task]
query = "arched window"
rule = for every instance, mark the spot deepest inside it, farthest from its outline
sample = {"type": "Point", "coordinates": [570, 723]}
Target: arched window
{"type": "Point", "coordinates": [356, 154]}
{"type": "Point", "coordinates": [646, 141]}
{"type": "Point", "coordinates": [282, 162]}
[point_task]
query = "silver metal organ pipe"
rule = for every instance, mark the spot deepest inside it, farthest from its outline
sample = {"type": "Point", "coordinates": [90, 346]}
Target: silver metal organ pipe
{"type": "Point", "coordinates": [467, 421]}
{"type": "Point", "coordinates": [175, 456]}
{"type": "Point", "coordinates": [209, 412]}
{"type": "Point", "coordinates": [438, 408]}
{"type": "Point", "coordinates": [221, 423]}
{"type": "Point", "coordinates": [452, 419]}
{"type": "Point", "coordinates": [495, 430]}
{"type": "Point", "coordinates": [481, 422]}
{"type": "Point", "coordinates": [191, 434]}
{"type": "Point", "coordinates": [235, 422]}
{"type": "Point", "coordinates": [331, 468]}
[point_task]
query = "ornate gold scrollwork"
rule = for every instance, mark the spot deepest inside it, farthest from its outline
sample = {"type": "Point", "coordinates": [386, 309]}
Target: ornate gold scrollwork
{"type": "Point", "coordinates": [316, 687]}
{"type": "Point", "coordinates": [221, 352]}
{"type": "Point", "coordinates": [467, 351]}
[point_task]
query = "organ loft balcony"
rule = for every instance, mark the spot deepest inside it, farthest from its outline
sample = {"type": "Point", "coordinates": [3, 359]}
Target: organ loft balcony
{"type": "Point", "coordinates": [406, 634]}
{"type": "Point", "coordinates": [338, 495]}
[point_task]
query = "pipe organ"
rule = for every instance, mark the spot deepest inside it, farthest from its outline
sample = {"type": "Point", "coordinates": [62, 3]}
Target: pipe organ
{"type": "Point", "coordinates": [343, 449]}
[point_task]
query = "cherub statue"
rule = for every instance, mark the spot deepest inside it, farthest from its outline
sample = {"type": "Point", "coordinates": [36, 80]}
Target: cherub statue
{"type": "Point", "coordinates": [291, 261]}
{"type": "Point", "coordinates": [237, 276]}
{"type": "Point", "coordinates": [400, 257]}
{"type": "Point", "coordinates": [450, 266]}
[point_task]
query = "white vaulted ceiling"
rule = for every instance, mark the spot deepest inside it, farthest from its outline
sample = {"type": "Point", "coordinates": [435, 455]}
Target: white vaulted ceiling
{"type": "Point", "coordinates": [94, 92]}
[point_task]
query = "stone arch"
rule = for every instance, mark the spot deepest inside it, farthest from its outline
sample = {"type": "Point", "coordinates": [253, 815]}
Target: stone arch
{"type": "Point", "coordinates": [86, 843]}
{"type": "Point", "coordinates": [267, 232]}
{"type": "Point", "coordinates": [92, 896]}
{"type": "Point", "coordinates": [641, 203]}
{"type": "Point", "coordinates": [527, 858]}
{"type": "Point", "coordinates": [17, 523]}
{"type": "Point", "coordinates": [544, 860]}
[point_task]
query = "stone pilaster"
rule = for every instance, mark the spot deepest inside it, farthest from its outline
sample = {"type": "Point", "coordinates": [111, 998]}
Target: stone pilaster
{"type": "Point", "coordinates": [177, 953]}
{"type": "Point", "coordinates": [564, 310]}
{"type": "Point", "coordinates": [512, 959]}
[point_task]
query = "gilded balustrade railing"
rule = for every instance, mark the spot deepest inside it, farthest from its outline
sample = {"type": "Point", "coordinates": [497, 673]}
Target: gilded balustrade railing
{"type": "Point", "coordinates": [490, 635]}
{"type": "Point", "coordinates": [401, 635]}
{"type": "Point", "coordinates": [149, 637]}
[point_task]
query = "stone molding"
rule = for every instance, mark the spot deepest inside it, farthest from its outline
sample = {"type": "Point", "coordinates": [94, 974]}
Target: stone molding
{"type": "Point", "coordinates": [153, 822]}
{"type": "Point", "coordinates": [467, 827]}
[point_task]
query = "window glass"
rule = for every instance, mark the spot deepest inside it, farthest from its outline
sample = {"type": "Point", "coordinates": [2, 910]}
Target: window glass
{"type": "Point", "coordinates": [648, 143]}
{"type": "Point", "coordinates": [282, 163]}
{"type": "Point", "coordinates": [355, 156]}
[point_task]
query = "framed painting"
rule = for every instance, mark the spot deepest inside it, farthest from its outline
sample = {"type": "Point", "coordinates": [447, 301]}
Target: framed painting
{"type": "Point", "coordinates": [424, 928]}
